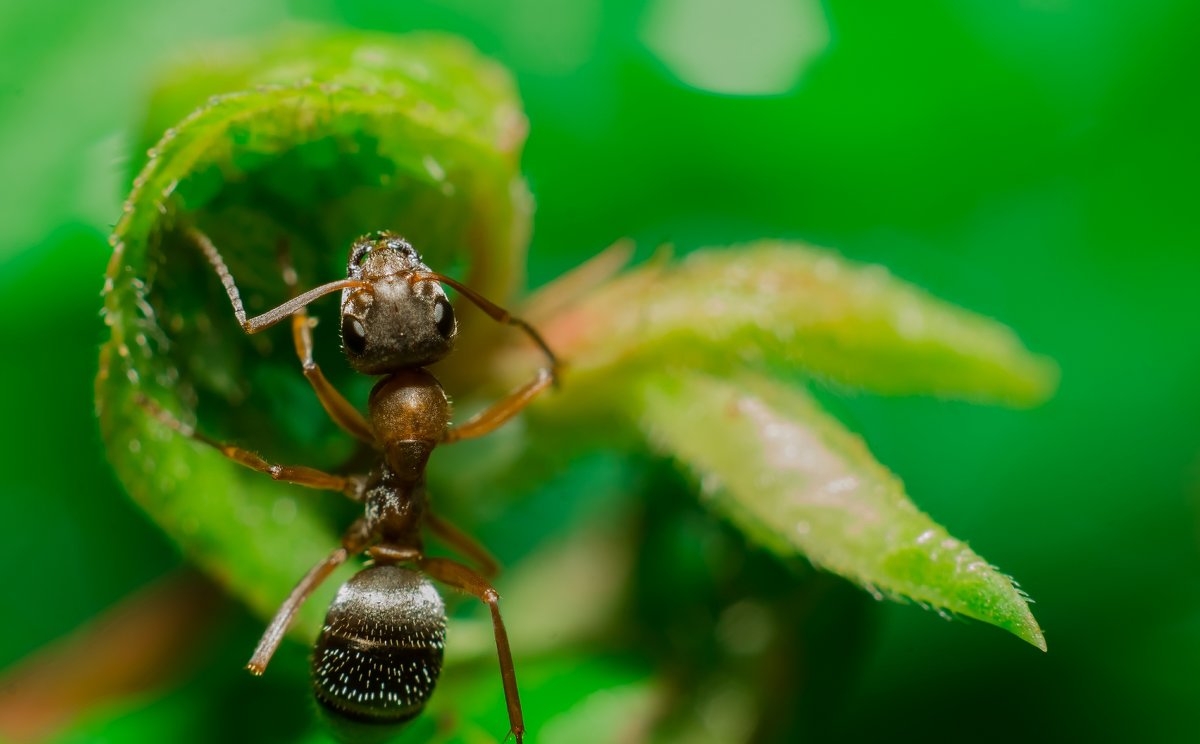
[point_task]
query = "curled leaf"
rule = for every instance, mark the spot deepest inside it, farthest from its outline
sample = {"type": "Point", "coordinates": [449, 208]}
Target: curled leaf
{"type": "Point", "coordinates": [309, 143]}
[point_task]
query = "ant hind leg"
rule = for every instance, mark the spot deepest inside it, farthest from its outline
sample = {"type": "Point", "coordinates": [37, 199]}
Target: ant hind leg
{"type": "Point", "coordinates": [353, 543]}
{"type": "Point", "coordinates": [461, 577]}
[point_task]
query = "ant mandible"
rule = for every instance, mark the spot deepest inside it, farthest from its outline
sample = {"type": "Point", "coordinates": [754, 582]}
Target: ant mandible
{"type": "Point", "coordinates": [380, 652]}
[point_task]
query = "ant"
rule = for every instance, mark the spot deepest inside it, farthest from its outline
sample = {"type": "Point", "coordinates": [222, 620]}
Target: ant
{"type": "Point", "coordinates": [379, 654]}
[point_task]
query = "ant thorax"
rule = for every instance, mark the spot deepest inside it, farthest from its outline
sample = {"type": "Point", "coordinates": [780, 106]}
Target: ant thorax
{"type": "Point", "coordinates": [400, 318]}
{"type": "Point", "coordinates": [394, 506]}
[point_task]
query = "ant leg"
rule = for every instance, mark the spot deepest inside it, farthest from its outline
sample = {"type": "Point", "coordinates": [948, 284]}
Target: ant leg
{"type": "Point", "coordinates": [301, 475]}
{"type": "Point", "coordinates": [335, 404]}
{"type": "Point", "coordinates": [460, 577]}
{"type": "Point", "coordinates": [463, 543]}
{"type": "Point", "coordinates": [491, 418]}
{"type": "Point", "coordinates": [352, 543]}
{"type": "Point", "coordinates": [343, 413]}
{"type": "Point", "coordinates": [503, 410]}
{"type": "Point", "coordinates": [274, 315]}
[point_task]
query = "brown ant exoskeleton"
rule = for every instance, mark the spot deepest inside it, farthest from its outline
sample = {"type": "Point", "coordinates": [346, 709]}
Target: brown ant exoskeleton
{"type": "Point", "coordinates": [388, 619]}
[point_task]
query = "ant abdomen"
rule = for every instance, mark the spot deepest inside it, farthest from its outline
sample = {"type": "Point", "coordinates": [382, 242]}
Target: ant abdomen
{"type": "Point", "coordinates": [379, 655]}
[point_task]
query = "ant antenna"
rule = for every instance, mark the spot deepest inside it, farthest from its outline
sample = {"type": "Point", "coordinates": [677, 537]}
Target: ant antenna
{"type": "Point", "coordinates": [493, 310]}
{"type": "Point", "coordinates": [274, 315]}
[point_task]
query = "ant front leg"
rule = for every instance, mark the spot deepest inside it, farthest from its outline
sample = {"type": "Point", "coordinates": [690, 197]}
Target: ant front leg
{"type": "Point", "coordinates": [353, 543]}
{"type": "Point", "coordinates": [494, 416]}
{"type": "Point", "coordinates": [335, 404]}
{"type": "Point", "coordinates": [460, 577]}
{"type": "Point", "coordinates": [495, 312]}
{"type": "Point", "coordinates": [338, 408]}
{"type": "Point", "coordinates": [501, 411]}
{"type": "Point", "coordinates": [300, 475]}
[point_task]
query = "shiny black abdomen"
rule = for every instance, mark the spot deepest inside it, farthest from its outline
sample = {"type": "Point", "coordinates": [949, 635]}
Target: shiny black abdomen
{"type": "Point", "coordinates": [380, 652]}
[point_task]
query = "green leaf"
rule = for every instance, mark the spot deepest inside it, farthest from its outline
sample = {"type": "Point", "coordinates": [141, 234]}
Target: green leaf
{"type": "Point", "coordinates": [322, 138]}
{"type": "Point", "coordinates": [332, 136]}
{"type": "Point", "coordinates": [670, 350]}
{"type": "Point", "coordinates": [791, 477]}
{"type": "Point", "coordinates": [792, 307]}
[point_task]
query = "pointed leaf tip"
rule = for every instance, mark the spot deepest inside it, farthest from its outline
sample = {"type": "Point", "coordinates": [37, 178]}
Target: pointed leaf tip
{"type": "Point", "coordinates": [796, 480]}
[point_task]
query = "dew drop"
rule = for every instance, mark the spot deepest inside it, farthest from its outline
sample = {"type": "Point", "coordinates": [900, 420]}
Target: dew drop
{"type": "Point", "coordinates": [434, 168]}
{"type": "Point", "coordinates": [710, 484]}
{"type": "Point", "coordinates": [283, 511]}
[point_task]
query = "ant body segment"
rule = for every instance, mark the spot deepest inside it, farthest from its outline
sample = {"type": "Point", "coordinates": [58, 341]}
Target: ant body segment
{"type": "Point", "coordinates": [378, 657]}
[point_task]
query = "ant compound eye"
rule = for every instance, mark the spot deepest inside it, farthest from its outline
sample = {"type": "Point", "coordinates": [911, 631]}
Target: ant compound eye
{"type": "Point", "coordinates": [443, 316]}
{"type": "Point", "coordinates": [354, 335]}
{"type": "Point", "coordinates": [358, 255]}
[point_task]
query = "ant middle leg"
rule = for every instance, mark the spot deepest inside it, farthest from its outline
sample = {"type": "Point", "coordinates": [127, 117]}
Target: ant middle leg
{"type": "Point", "coordinates": [340, 410]}
{"type": "Point", "coordinates": [353, 542]}
{"type": "Point", "coordinates": [461, 577]}
{"type": "Point", "coordinates": [301, 475]}
{"type": "Point", "coordinates": [463, 543]}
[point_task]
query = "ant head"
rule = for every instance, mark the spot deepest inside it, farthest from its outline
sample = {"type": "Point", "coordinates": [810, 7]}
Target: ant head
{"type": "Point", "coordinates": [399, 320]}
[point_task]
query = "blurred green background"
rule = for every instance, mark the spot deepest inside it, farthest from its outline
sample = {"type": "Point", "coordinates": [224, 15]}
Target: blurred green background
{"type": "Point", "coordinates": [1035, 162]}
